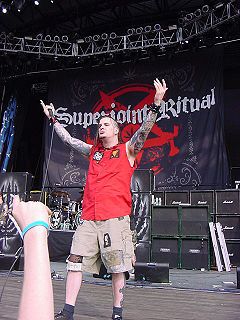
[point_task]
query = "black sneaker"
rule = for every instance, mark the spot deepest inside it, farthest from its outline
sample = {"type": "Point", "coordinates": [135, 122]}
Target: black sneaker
{"type": "Point", "coordinates": [63, 316]}
{"type": "Point", "coordinates": [116, 317]}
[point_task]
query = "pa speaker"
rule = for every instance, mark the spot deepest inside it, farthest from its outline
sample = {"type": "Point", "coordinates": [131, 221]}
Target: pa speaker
{"type": "Point", "coordinates": [195, 254]}
{"type": "Point", "coordinates": [227, 201]}
{"type": "Point", "coordinates": [165, 251]}
{"type": "Point", "coordinates": [15, 182]}
{"type": "Point", "coordinates": [142, 180]}
{"type": "Point", "coordinates": [203, 198]}
{"type": "Point", "coordinates": [153, 272]}
{"type": "Point", "coordinates": [233, 247]}
{"type": "Point", "coordinates": [10, 244]}
{"type": "Point", "coordinates": [194, 221]}
{"type": "Point", "coordinates": [165, 221]}
{"type": "Point", "coordinates": [176, 198]}
{"type": "Point", "coordinates": [230, 225]}
{"type": "Point", "coordinates": [142, 252]}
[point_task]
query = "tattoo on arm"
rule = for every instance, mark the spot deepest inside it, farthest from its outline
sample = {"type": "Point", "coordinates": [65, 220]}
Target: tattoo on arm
{"type": "Point", "coordinates": [140, 136]}
{"type": "Point", "coordinates": [79, 145]}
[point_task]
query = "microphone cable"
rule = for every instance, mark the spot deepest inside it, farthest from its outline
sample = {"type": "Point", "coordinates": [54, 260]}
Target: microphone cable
{"type": "Point", "coordinates": [47, 163]}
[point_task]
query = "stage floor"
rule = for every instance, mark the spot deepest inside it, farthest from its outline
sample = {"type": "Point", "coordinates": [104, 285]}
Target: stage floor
{"type": "Point", "coordinates": [190, 295]}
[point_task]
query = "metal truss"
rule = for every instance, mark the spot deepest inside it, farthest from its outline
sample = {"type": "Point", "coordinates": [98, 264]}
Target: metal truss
{"type": "Point", "coordinates": [161, 38]}
{"type": "Point", "coordinates": [209, 20]}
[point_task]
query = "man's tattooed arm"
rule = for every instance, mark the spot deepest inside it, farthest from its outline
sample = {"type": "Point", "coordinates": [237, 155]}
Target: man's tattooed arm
{"type": "Point", "coordinates": [136, 143]}
{"type": "Point", "coordinates": [79, 145]}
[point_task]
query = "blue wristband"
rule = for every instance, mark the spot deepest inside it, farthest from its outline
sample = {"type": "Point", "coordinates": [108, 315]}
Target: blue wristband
{"type": "Point", "coordinates": [35, 224]}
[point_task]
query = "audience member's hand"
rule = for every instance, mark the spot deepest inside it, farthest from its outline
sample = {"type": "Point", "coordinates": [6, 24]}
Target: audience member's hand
{"type": "Point", "coordinates": [28, 212]}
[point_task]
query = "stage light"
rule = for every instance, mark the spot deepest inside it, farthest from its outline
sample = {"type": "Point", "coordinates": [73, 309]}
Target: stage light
{"type": "Point", "coordinates": [48, 37]}
{"type": "Point", "coordinates": [36, 2]}
{"type": "Point", "coordinates": [139, 30]}
{"type": "Point", "coordinates": [113, 35]}
{"type": "Point", "coordinates": [65, 38]}
{"type": "Point", "coordinates": [39, 36]}
{"type": "Point", "coordinates": [147, 29]}
{"type": "Point", "coordinates": [4, 8]}
{"type": "Point", "coordinates": [56, 39]}
{"type": "Point", "coordinates": [205, 8]}
{"type": "Point", "coordinates": [19, 4]}
{"type": "Point", "coordinates": [130, 31]}
{"type": "Point", "coordinates": [104, 36]}
{"type": "Point", "coordinates": [96, 37]}
{"type": "Point", "coordinates": [189, 16]}
{"type": "Point", "coordinates": [198, 13]}
{"type": "Point", "coordinates": [157, 27]}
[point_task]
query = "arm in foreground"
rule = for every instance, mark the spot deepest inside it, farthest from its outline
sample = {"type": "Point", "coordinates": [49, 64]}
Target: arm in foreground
{"type": "Point", "coordinates": [37, 293]}
{"type": "Point", "coordinates": [77, 144]}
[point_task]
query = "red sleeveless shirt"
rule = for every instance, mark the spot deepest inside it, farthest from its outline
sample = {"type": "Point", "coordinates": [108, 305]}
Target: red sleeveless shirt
{"type": "Point", "coordinates": [107, 193]}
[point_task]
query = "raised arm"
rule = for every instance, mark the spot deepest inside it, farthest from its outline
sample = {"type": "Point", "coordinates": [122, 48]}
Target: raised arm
{"type": "Point", "coordinates": [135, 144]}
{"type": "Point", "coordinates": [79, 145]}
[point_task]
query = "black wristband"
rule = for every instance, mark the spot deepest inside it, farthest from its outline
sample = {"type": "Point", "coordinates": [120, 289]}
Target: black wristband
{"type": "Point", "coordinates": [154, 108]}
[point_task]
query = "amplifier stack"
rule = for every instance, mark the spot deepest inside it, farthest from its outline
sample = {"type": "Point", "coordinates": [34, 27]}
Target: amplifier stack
{"type": "Point", "coordinates": [173, 228]}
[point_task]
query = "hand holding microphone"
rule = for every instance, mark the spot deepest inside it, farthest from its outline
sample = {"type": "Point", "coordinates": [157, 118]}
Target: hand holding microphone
{"type": "Point", "coordinates": [48, 109]}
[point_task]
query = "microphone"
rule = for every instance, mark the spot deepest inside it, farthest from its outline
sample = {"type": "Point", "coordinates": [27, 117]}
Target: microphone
{"type": "Point", "coordinates": [51, 112]}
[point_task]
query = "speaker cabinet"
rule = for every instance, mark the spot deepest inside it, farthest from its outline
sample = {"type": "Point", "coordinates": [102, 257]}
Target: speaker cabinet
{"type": "Point", "coordinates": [142, 252]}
{"type": "Point", "coordinates": [227, 201]}
{"type": "Point", "coordinates": [37, 195]}
{"type": "Point", "coordinates": [165, 251]}
{"type": "Point", "coordinates": [142, 181]}
{"type": "Point", "coordinates": [165, 221]}
{"type": "Point", "coordinates": [143, 228]}
{"type": "Point", "coordinates": [203, 198]}
{"type": "Point", "coordinates": [158, 198]}
{"type": "Point", "coordinates": [194, 221]}
{"type": "Point", "coordinates": [176, 198]}
{"type": "Point", "coordinates": [230, 225]}
{"type": "Point", "coordinates": [195, 254]}
{"type": "Point", "coordinates": [141, 205]}
{"type": "Point", "coordinates": [10, 244]}
{"type": "Point", "coordinates": [153, 272]}
{"type": "Point", "coordinates": [233, 247]}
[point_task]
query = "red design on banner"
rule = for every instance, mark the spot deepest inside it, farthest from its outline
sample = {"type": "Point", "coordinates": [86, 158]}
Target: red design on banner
{"type": "Point", "coordinates": [143, 94]}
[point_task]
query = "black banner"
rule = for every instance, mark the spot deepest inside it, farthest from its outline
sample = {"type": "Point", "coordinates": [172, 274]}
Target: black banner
{"type": "Point", "coordinates": [185, 148]}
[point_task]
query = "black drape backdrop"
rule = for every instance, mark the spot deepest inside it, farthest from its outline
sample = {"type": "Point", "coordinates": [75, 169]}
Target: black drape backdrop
{"type": "Point", "coordinates": [186, 148]}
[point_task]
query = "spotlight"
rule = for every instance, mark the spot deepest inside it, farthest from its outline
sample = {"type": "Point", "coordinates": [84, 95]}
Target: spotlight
{"type": "Point", "coordinates": [131, 31]}
{"type": "Point", "coordinates": [65, 38]}
{"type": "Point", "coordinates": [157, 27]}
{"type": "Point", "coordinates": [48, 37]}
{"type": "Point", "coordinates": [147, 29]}
{"type": "Point", "coordinates": [198, 13]}
{"type": "Point", "coordinates": [56, 39]}
{"type": "Point", "coordinates": [104, 36]}
{"type": "Point", "coordinates": [205, 8]}
{"type": "Point", "coordinates": [36, 2]}
{"type": "Point", "coordinates": [19, 4]}
{"type": "Point", "coordinates": [4, 8]}
{"type": "Point", "coordinates": [189, 16]}
{"type": "Point", "coordinates": [113, 35]}
{"type": "Point", "coordinates": [96, 37]}
{"type": "Point", "coordinates": [139, 30]}
{"type": "Point", "coordinates": [39, 36]}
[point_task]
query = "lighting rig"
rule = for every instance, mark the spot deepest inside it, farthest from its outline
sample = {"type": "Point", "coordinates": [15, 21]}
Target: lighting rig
{"type": "Point", "coordinates": [190, 27]}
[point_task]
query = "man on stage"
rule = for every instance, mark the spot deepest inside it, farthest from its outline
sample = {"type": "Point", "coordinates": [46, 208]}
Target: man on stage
{"type": "Point", "coordinates": [104, 234]}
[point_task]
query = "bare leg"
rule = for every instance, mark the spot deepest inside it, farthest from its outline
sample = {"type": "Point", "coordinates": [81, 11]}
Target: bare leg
{"type": "Point", "coordinates": [118, 286]}
{"type": "Point", "coordinates": [73, 285]}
